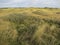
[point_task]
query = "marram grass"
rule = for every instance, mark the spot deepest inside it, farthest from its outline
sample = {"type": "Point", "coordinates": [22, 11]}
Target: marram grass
{"type": "Point", "coordinates": [22, 28]}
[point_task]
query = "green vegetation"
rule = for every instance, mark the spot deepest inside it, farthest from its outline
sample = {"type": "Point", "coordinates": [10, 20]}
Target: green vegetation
{"type": "Point", "coordinates": [29, 26]}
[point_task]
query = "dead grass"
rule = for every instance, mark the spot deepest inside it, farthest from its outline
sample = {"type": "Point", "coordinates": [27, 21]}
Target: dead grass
{"type": "Point", "coordinates": [22, 27]}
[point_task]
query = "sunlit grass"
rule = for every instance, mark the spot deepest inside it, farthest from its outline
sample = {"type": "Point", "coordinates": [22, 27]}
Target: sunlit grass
{"type": "Point", "coordinates": [29, 26]}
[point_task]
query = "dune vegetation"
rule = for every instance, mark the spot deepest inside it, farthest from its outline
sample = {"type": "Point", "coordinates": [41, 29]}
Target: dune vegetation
{"type": "Point", "coordinates": [29, 26]}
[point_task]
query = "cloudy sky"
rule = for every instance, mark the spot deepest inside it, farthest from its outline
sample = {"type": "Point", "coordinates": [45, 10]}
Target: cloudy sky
{"type": "Point", "coordinates": [30, 3]}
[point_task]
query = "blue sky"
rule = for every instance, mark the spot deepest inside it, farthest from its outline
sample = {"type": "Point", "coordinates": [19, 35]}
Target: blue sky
{"type": "Point", "coordinates": [30, 3]}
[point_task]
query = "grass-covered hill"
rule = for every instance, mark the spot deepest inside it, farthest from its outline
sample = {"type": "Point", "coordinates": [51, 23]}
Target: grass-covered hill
{"type": "Point", "coordinates": [29, 26]}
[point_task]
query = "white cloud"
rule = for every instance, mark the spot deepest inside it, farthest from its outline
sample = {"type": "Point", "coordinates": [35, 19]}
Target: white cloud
{"type": "Point", "coordinates": [45, 3]}
{"type": "Point", "coordinates": [16, 1]}
{"type": "Point", "coordinates": [40, 3]}
{"type": "Point", "coordinates": [13, 1]}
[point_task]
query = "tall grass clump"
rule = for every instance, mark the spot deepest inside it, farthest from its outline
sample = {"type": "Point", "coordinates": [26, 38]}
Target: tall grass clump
{"type": "Point", "coordinates": [39, 12]}
{"type": "Point", "coordinates": [8, 34]}
{"type": "Point", "coordinates": [21, 29]}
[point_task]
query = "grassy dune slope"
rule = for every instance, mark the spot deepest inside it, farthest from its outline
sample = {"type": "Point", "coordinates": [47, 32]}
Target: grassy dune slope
{"type": "Point", "coordinates": [29, 26]}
